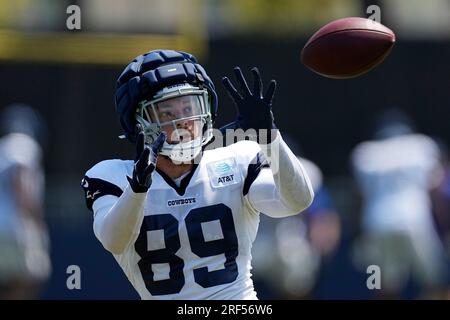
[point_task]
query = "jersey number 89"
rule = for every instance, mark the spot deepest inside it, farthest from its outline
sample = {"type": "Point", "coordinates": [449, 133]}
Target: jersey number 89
{"type": "Point", "coordinates": [228, 245]}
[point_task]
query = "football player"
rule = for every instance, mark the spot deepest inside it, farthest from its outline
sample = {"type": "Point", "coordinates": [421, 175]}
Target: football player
{"type": "Point", "coordinates": [395, 172]}
{"type": "Point", "coordinates": [180, 219]}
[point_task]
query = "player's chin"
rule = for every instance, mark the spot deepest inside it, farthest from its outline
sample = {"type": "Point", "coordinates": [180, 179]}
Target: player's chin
{"type": "Point", "coordinates": [165, 157]}
{"type": "Point", "coordinates": [186, 136]}
{"type": "Point", "coordinates": [178, 141]}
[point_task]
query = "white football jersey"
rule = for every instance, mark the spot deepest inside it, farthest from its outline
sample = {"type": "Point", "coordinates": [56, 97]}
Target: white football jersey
{"type": "Point", "coordinates": [196, 238]}
{"type": "Point", "coordinates": [394, 175]}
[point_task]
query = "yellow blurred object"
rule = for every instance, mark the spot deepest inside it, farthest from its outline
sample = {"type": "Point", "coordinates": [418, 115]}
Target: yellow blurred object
{"type": "Point", "coordinates": [112, 31]}
{"type": "Point", "coordinates": [88, 48]}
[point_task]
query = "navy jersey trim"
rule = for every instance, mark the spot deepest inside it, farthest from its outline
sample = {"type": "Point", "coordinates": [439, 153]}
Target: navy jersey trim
{"type": "Point", "coordinates": [254, 168]}
{"type": "Point", "coordinates": [95, 188]}
{"type": "Point", "coordinates": [181, 190]}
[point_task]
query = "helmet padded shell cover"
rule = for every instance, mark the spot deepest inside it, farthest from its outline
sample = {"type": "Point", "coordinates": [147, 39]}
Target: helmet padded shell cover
{"type": "Point", "coordinates": [149, 73]}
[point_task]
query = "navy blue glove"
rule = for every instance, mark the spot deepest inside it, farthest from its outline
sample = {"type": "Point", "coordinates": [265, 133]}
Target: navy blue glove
{"type": "Point", "coordinates": [145, 161]}
{"type": "Point", "coordinates": [254, 108]}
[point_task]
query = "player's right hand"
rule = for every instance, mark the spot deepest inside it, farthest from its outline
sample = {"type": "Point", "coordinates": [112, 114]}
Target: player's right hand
{"type": "Point", "coordinates": [145, 161]}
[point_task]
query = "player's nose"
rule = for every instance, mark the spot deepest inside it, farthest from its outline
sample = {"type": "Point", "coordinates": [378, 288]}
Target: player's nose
{"type": "Point", "coordinates": [181, 124]}
{"type": "Point", "coordinates": [184, 124]}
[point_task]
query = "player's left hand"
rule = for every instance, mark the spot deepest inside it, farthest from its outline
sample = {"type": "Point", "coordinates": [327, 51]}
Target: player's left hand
{"type": "Point", "coordinates": [254, 108]}
{"type": "Point", "coordinates": [145, 161]}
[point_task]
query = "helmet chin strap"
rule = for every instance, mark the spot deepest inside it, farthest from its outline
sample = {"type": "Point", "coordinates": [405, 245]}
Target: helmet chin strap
{"type": "Point", "coordinates": [182, 152]}
{"type": "Point", "coordinates": [179, 153]}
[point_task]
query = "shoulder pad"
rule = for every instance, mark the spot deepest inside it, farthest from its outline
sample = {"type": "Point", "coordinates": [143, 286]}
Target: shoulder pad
{"type": "Point", "coordinates": [108, 177]}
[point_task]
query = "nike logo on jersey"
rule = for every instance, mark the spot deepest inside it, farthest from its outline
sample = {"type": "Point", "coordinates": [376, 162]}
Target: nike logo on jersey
{"type": "Point", "coordinates": [180, 202]}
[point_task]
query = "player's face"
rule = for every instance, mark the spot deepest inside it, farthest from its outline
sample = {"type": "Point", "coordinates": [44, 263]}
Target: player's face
{"type": "Point", "coordinates": [187, 108]}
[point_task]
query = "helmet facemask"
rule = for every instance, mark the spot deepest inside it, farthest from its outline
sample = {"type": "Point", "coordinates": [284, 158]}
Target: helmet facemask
{"type": "Point", "coordinates": [184, 113]}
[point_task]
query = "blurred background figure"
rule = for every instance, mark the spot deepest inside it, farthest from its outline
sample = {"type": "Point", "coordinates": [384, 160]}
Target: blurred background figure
{"type": "Point", "coordinates": [395, 173]}
{"type": "Point", "coordinates": [24, 243]}
{"type": "Point", "coordinates": [440, 196]}
{"type": "Point", "coordinates": [440, 199]}
{"type": "Point", "coordinates": [290, 253]}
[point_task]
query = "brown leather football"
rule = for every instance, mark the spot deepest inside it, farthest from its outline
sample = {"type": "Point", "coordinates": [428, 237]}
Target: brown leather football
{"type": "Point", "coordinates": [347, 48]}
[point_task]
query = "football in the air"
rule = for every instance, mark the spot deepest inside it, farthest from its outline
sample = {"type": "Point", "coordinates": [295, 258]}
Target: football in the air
{"type": "Point", "coordinates": [347, 48]}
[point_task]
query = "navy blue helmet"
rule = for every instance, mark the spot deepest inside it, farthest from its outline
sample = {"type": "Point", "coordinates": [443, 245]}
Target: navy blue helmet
{"type": "Point", "coordinates": [157, 76]}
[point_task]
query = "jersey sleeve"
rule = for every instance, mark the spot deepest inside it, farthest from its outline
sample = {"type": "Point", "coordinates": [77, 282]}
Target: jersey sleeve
{"type": "Point", "coordinates": [105, 178]}
{"type": "Point", "coordinates": [251, 161]}
{"type": "Point", "coordinates": [276, 183]}
{"type": "Point", "coordinates": [118, 211]}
